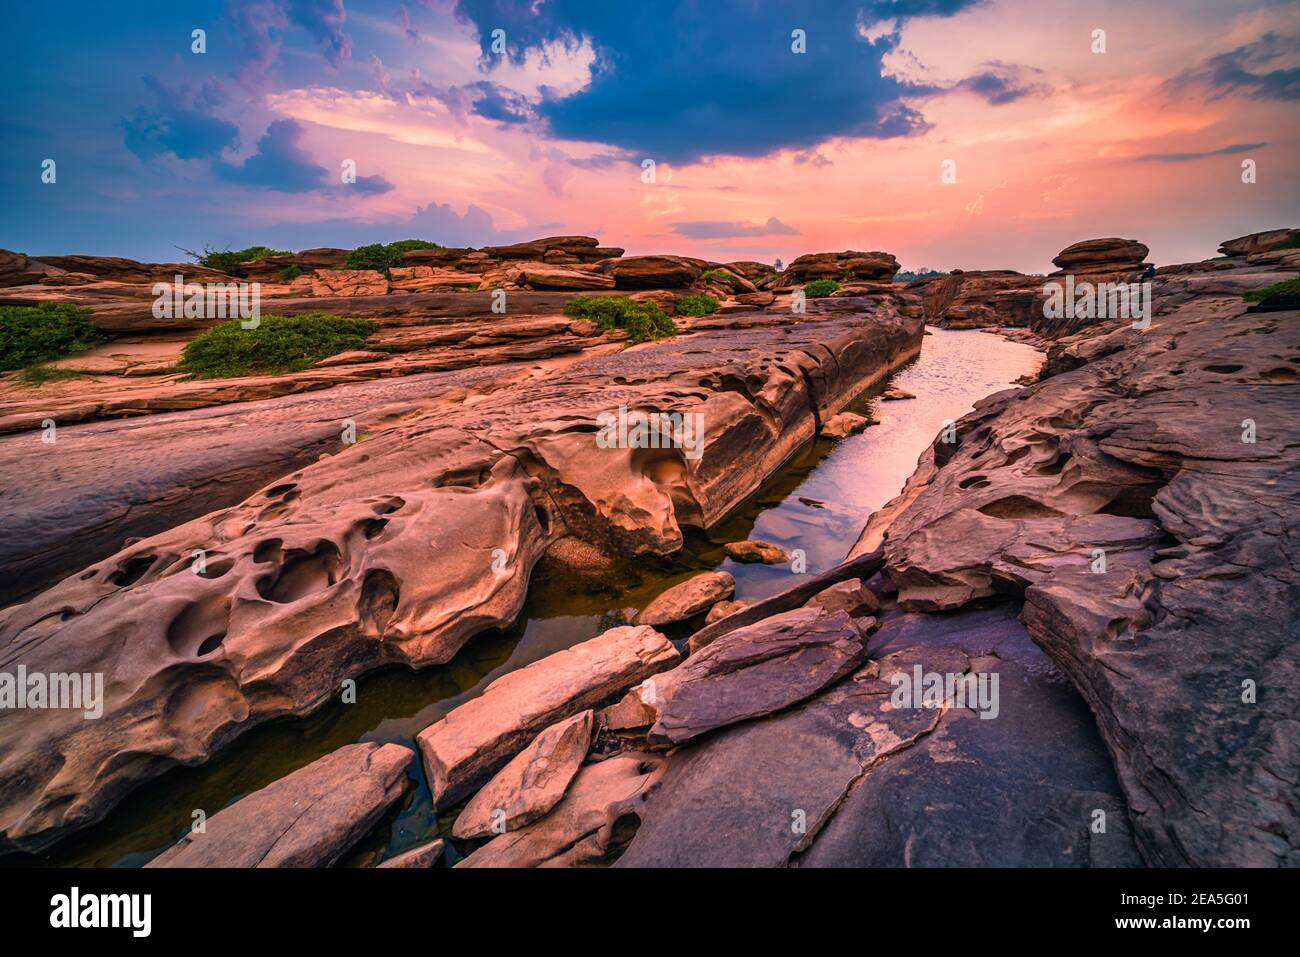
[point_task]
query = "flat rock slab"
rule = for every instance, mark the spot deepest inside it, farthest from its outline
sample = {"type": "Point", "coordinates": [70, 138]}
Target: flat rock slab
{"type": "Point", "coordinates": [531, 784]}
{"type": "Point", "coordinates": [418, 858]}
{"type": "Point", "coordinates": [846, 779]}
{"type": "Point", "coordinates": [590, 827]}
{"type": "Point", "coordinates": [306, 819]}
{"type": "Point", "coordinates": [754, 671]}
{"type": "Point", "coordinates": [750, 552]}
{"type": "Point", "coordinates": [477, 739]}
{"type": "Point", "coordinates": [687, 599]}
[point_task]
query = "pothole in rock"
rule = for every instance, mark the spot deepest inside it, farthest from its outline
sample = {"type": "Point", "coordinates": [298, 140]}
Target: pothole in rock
{"type": "Point", "coordinates": [302, 573]}
{"type": "Point", "coordinates": [200, 629]}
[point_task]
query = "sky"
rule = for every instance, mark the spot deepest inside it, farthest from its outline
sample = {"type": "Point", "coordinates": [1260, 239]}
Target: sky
{"type": "Point", "coordinates": [976, 134]}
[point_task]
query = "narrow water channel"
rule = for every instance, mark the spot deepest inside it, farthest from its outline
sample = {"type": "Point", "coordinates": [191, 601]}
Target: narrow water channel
{"type": "Point", "coordinates": [818, 503]}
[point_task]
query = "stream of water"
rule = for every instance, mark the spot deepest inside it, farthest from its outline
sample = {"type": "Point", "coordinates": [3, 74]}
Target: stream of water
{"type": "Point", "coordinates": [818, 503]}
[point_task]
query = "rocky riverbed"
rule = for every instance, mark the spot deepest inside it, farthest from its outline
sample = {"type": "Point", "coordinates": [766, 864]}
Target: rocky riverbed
{"type": "Point", "coordinates": [1098, 564]}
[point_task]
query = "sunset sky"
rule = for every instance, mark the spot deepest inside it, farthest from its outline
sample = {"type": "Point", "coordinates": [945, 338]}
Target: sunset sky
{"type": "Point", "coordinates": [761, 152]}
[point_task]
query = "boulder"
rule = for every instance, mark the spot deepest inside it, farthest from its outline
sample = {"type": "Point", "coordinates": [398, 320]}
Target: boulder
{"type": "Point", "coordinates": [754, 671]}
{"type": "Point", "coordinates": [322, 257]}
{"type": "Point", "coordinates": [750, 552]}
{"type": "Point", "coordinates": [1259, 242]}
{"type": "Point", "coordinates": [758, 300]}
{"type": "Point", "coordinates": [722, 609]}
{"type": "Point", "coordinates": [895, 394]}
{"type": "Point", "coordinates": [479, 737]}
{"type": "Point", "coordinates": [349, 282]}
{"type": "Point", "coordinates": [589, 827]}
{"type": "Point", "coordinates": [652, 272]}
{"type": "Point", "coordinates": [541, 276]}
{"type": "Point", "coordinates": [687, 599]}
{"type": "Point", "coordinates": [430, 279]}
{"type": "Point", "coordinates": [849, 264]}
{"type": "Point", "coordinates": [531, 784]}
{"type": "Point", "coordinates": [844, 424]}
{"type": "Point", "coordinates": [850, 596]}
{"type": "Point", "coordinates": [1102, 255]}
{"type": "Point", "coordinates": [631, 712]}
{"type": "Point", "coordinates": [306, 819]}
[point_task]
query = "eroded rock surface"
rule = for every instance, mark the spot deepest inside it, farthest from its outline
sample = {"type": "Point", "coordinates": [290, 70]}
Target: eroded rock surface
{"type": "Point", "coordinates": [306, 819]}
{"type": "Point", "coordinates": [1143, 504]}
{"type": "Point", "coordinates": [845, 779]}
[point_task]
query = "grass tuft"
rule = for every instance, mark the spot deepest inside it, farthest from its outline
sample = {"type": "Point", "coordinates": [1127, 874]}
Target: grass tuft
{"type": "Point", "coordinates": [279, 344]}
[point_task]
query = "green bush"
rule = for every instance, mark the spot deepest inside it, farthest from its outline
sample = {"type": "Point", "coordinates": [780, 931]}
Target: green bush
{"type": "Point", "coordinates": [278, 344]}
{"type": "Point", "coordinates": [228, 260]}
{"type": "Point", "coordinates": [1289, 285]}
{"type": "Point", "coordinates": [404, 245]}
{"type": "Point", "coordinates": [383, 256]}
{"type": "Point", "coordinates": [290, 273]}
{"type": "Point", "coordinates": [32, 334]}
{"type": "Point", "coordinates": [696, 306]}
{"type": "Point", "coordinates": [39, 375]}
{"type": "Point", "coordinates": [820, 288]}
{"type": "Point", "coordinates": [642, 320]}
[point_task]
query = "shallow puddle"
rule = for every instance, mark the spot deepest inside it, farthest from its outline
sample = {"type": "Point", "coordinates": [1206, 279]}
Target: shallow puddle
{"type": "Point", "coordinates": [818, 503]}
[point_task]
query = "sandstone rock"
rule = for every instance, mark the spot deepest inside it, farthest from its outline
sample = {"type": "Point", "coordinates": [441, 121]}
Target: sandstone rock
{"type": "Point", "coordinates": [531, 784]}
{"type": "Point", "coordinates": [349, 282]}
{"type": "Point", "coordinates": [430, 278]}
{"type": "Point", "coordinates": [652, 272]}
{"type": "Point", "coordinates": [880, 786]}
{"type": "Point", "coordinates": [754, 671]}
{"type": "Point", "coordinates": [375, 555]}
{"type": "Point", "coordinates": [850, 596]}
{"type": "Point", "coordinates": [844, 424]}
{"type": "Point", "coordinates": [1258, 242]}
{"type": "Point", "coordinates": [424, 856]}
{"type": "Point", "coordinates": [1101, 255]}
{"type": "Point", "coordinates": [13, 269]}
{"type": "Point", "coordinates": [756, 551]}
{"type": "Point", "coordinates": [537, 248]}
{"type": "Point", "coordinates": [589, 827]}
{"type": "Point", "coordinates": [541, 276]}
{"type": "Point", "coordinates": [631, 712]}
{"type": "Point", "coordinates": [749, 269]}
{"type": "Point", "coordinates": [758, 300]}
{"type": "Point", "coordinates": [307, 819]}
{"type": "Point", "coordinates": [895, 394]}
{"type": "Point", "coordinates": [687, 599]}
{"type": "Point", "coordinates": [849, 264]}
{"type": "Point", "coordinates": [1119, 499]}
{"type": "Point", "coordinates": [722, 609]}
{"type": "Point", "coordinates": [322, 257]}
{"type": "Point", "coordinates": [480, 737]}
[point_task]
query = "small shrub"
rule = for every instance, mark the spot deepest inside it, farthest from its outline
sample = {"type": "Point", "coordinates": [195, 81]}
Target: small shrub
{"type": "Point", "coordinates": [820, 288]}
{"type": "Point", "coordinates": [405, 245]}
{"type": "Point", "coordinates": [32, 334]}
{"type": "Point", "coordinates": [383, 256]}
{"type": "Point", "coordinates": [1258, 295]}
{"type": "Point", "coordinates": [228, 260]}
{"type": "Point", "coordinates": [696, 306]}
{"type": "Point", "coordinates": [643, 321]}
{"type": "Point", "coordinates": [38, 375]}
{"type": "Point", "coordinates": [290, 273]}
{"type": "Point", "coordinates": [279, 344]}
